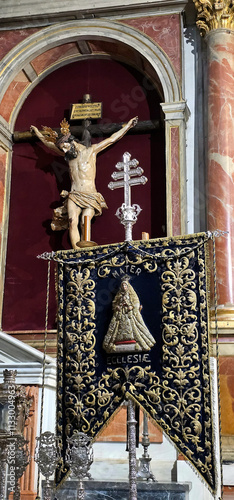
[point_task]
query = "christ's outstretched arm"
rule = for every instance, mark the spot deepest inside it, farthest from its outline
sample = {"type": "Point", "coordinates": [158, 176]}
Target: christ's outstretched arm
{"type": "Point", "coordinates": [115, 137]}
{"type": "Point", "coordinates": [47, 143]}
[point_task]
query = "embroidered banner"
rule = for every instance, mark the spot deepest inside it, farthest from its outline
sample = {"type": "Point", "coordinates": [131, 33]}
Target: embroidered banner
{"type": "Point", "coordinates": [132, 322]}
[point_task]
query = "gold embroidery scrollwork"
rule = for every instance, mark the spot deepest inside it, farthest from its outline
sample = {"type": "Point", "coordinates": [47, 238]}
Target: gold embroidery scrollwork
{"type": "Point", "coordinates": [139, 382]}
{"type": "Point", "coordinates": [124, 261]}
{"type": "Point", "coordinates": [80, 349]}
{"type": "Point", "coordinates": [106, 265]}
{"type": "Point", "coordinates": [182, 391]}
{"type": "Point", "coordinates": [205, 360]}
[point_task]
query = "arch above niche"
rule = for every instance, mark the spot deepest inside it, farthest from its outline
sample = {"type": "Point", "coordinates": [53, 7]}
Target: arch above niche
{"type": "Point", "coordinates": [151, 78]}
{"type": "Point", "coordinates": [59, 34]}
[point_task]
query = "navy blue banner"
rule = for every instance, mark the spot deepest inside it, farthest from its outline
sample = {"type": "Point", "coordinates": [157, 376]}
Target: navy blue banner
{"type": "Point", "coordinates": [132, 322]}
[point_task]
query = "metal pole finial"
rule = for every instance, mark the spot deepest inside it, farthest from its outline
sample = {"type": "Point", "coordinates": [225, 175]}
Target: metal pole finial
{"type": "Point", "coordinates": [129, 174]}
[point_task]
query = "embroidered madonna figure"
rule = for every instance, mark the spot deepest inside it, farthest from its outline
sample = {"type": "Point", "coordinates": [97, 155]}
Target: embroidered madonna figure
{"type": "Point", "coordinates": [127, 330]}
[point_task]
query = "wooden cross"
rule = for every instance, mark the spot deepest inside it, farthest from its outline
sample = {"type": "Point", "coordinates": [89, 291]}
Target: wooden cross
{"type": "Point", "coordinates": [86, 111]}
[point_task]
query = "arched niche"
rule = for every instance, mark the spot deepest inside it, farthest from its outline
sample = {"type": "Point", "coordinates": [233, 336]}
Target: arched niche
{"type": "Point", "coordinates": [38, 176]}
{"type": "Point", "coordinates": [20, 58]}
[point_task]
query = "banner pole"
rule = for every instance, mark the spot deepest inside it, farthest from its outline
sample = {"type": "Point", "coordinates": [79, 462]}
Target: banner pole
{"type": "Point", "coordinates": [131, 423]}
{"type": "Point", "coordinates": [128, 175]}
{"type": "Point", "coordinates": [132, 450]}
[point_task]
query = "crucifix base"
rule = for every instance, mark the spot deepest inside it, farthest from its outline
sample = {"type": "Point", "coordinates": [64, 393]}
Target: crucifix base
{"type": "Point", "coordinates": [86, 234]}
{"type": "Point", "coordinates": [84, 244]}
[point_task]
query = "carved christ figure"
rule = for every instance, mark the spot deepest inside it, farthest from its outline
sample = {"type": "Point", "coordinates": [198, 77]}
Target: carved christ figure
{"type": "Point", "coordinates": [127, 330]}
{"type": "Point", "coordinates": [83, 198]}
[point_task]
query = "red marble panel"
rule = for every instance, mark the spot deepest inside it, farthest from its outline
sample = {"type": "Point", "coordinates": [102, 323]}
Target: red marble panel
{"type": "Point", "coordinates": [228, 492]}
{"type": "Point", "coordinates": [27, 481]}
{"type": "Point", "coordinates": [15, 89]}
{"type": "Point", "coordinates": [221, 157]}
{"type": "Point", "coordinates": [115, 48]}
{"type": "Point", "coordinates": [117, 429]}
{"type": "Point", "coordinates": [165, 31]}
{"type": "Point", "coordinates": [221, 216]}
{"type": "Point", "coordinates": [175, 180]}
{"type": "Point", "coordinates": [41, 62]}
{"type": "Point", "coordinates": [9, 39]}
{"type": "Point", "coordinates": [221, 100]}
{"type": "Point", "coordinates": [227, 394]}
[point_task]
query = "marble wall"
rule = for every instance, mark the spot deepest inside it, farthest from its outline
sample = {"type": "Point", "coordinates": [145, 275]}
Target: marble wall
{"type": "Point", "coordinates": [166, 32]}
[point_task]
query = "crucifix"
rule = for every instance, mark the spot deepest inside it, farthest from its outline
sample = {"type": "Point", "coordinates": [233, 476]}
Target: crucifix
{"type": "Point", "coordinates": [83, 201]}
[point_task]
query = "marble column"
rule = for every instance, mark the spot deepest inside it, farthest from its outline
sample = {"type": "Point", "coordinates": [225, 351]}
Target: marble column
{"type": "Point", "coordinates": [220, 179]}
{"type": "Point", "coordinates": [216, 22]}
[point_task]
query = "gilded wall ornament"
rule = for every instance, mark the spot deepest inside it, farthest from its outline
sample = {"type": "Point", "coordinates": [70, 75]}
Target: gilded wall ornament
{"type": "Point", "coordinates": [214, 14]}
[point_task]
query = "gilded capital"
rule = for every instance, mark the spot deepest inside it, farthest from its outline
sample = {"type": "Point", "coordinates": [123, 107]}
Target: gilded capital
{"type": "Point", "coordinates": [214, 14]}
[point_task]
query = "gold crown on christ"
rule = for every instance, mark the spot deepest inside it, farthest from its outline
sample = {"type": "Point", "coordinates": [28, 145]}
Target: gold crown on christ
{"type": "Point", "coordinates": [52, 135]}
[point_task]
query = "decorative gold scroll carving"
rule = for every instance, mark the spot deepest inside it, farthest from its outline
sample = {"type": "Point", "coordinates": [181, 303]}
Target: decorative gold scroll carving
{"type": "Point", "coordinates": [214, 14]}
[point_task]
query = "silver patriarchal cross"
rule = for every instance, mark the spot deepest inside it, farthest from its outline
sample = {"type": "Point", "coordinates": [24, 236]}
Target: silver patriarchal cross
{"type": "Point", "coordinates": [128, 174]}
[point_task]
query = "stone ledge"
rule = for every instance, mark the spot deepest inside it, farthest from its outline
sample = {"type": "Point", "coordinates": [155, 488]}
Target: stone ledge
{"type": "Point", "coordinates": [103, 490]}
{"type": "Point", "coordinates": [77, 9]}
{"type": "Point", "coordinates": [228, 448]}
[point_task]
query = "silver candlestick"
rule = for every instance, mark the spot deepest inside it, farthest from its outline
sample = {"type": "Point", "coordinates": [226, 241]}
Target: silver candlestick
{"type": "Point", "coordinates": [18, 458]}
{"type": "Point", "coordinates": [132, 451]}
{"type": "Point", "coordinates": [3, 464]}
{"type": "Point", "coordinates": [14, 410]}
{"type": "Point", "coordinates": [127, 177]}
{"type": "Point", "coordinates": [47, 457]}
{"type": "Point", "coordinates": [79, 457]}
{"type": "Point", "coordinates": [144, 471]}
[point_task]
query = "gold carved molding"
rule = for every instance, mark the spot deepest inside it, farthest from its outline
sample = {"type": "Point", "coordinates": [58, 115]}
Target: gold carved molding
{"type": "Point", "coordinates": [214, 14]}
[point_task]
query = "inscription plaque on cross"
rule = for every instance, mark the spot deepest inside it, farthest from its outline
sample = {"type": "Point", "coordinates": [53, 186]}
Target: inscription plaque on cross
{"type": "Point", "coordinates": [129, 174]}
{"type": "Point", "coordinates": [86, 110]}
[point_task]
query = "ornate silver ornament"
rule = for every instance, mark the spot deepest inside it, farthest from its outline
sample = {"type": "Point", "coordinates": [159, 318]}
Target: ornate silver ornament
{"type": "Point", "coordinates": [127, 177]}
{"type": "Point", "coordinates": [79, 457]}
{"type": "Point", "coordinates": [47, 457]}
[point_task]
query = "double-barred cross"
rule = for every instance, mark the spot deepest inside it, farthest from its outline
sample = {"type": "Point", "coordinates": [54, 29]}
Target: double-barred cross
{"type": "Point", "coordinates": [127, 177]}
